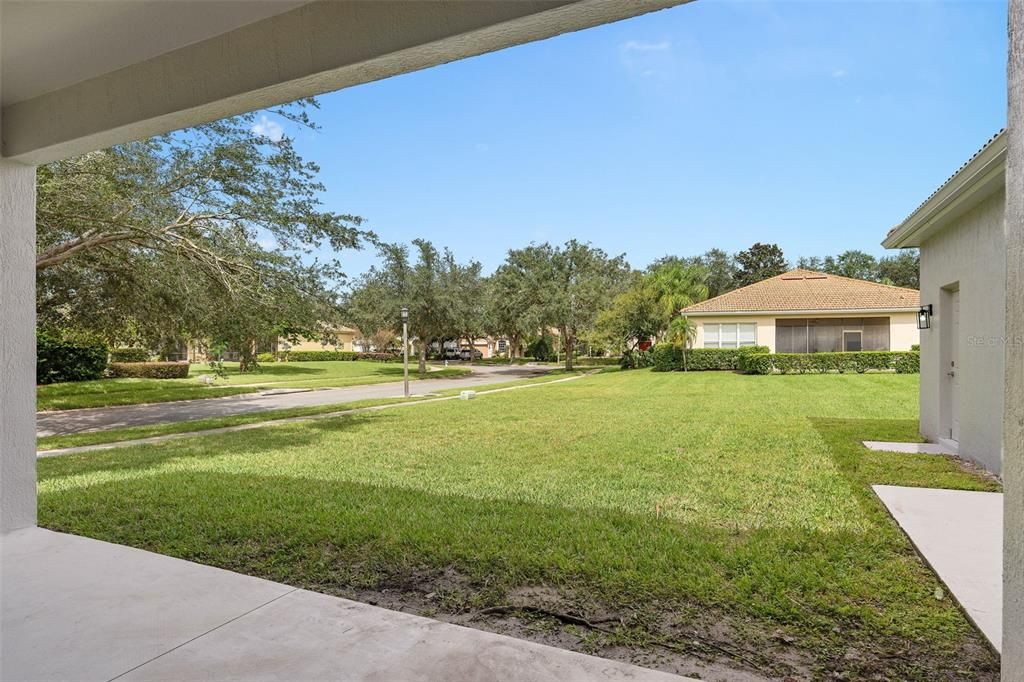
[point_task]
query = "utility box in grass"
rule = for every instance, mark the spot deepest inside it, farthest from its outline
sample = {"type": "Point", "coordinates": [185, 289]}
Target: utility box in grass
{"type": "Point", "coordinates": [467, 395]}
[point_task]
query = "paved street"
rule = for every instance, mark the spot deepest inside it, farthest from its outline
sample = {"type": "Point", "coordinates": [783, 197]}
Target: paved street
{"type": "Point", "coordinates": [100, 418]}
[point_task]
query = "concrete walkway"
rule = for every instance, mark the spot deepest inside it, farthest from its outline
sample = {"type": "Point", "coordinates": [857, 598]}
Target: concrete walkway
{"type": "Point", "coordinates": [960, 534]}
{"type": "Point", "coordinates": [909, 448]}
{"type": "Point", "coordinates": [101, 418]}
{"type": "Point", "coordinates": [81, 609]}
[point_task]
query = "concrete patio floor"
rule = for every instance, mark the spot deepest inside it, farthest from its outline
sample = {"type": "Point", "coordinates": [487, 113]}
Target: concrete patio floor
{"type": "Point", "coordinates": [76, 608]}
{"type": "Point", "coordinates": [960, 534]}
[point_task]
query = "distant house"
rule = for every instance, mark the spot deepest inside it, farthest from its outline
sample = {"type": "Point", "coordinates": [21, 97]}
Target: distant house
{"type": "Point", "coordinates": [802, 311]}
{"type": "Point", "coordinates": [342, 338]}
{"type": "Point", "coordinates": [960, 231]}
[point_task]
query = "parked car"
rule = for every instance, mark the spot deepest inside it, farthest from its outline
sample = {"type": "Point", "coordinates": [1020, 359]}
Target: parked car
{"type": "Point", "coordinates": [470, 354]}
{"type": "Point", "coordinates": [452, 354]}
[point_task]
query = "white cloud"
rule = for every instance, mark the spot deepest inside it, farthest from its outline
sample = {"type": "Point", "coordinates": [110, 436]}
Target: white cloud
{"type": "Point", "coordinates": [645, 59]}
{"type": "Point", "coordinates": [641, 46]}
{"type": "Point", "coordinates": [839, 73]}
{"type": "Point", "coordinates": [268, 242]}
{"type": "Point", "coordinates": [272, 130]}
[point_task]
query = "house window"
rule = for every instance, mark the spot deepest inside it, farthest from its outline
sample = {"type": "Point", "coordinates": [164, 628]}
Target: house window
{"type": "Point", "coordinates": [747, 334]}
{"type": "Point", "coordinates": [501, 345]}
{"type": "Point", "coordinates": [733, 335]}
{"type": "Point", "coordinates": [852, 341]}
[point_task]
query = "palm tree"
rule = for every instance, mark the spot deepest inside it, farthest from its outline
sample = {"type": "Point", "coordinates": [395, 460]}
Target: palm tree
{"type": "Point", "coordinates": [682, 333]}
{"type": "Point", "coordinates": [678, 285]}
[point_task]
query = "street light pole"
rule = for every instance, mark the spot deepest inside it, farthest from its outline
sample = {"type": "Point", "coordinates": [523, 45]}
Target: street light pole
{"type": "Point", "coordinates": [405, 349]}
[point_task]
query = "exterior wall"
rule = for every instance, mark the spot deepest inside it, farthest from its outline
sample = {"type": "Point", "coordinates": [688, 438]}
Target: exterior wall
{"type": "Point", "coordinates": [344, 342]}
{"type": "Point", "coordinates": [903, 331]}
{"type": "Point", "coordinates": [970, 255]}
{"type": "Point", "coordinates": [17, 346]}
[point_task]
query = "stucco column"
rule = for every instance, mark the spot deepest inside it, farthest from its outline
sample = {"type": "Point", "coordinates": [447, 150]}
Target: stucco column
{"type": "Point", "coordinates": [17, 346]}
{"type": "Point", "coordinates": [1013, 389]}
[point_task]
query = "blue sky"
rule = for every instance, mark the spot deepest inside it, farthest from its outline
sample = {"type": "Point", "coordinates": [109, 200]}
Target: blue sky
{"type": "Point", "coordinates": [716, 124]}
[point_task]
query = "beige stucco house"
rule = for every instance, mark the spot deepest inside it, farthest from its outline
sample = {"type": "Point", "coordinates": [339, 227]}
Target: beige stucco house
{"type": "Point", "coordinates": [342, 338]}
{"type": "Point", "coordinates": [802, 311]}
{"type": "Point", "coordinates": [960, 231]}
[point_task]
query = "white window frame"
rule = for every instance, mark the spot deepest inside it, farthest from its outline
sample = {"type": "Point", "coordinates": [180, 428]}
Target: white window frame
{"type": "Point", "coordinates": [736, 326]}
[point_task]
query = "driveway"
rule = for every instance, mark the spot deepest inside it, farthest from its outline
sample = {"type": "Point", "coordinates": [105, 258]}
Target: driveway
{"type": "Point", "coordinates": [101, 418]}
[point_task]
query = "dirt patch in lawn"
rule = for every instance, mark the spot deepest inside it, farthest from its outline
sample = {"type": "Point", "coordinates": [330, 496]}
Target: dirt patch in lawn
{"type": "Point", "coordinates": [685, 639]}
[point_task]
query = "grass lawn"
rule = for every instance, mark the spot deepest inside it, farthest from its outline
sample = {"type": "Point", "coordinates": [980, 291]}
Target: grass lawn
{"type": "Point", "coordinates": [694, 520]}
{"type": "Point", "coordinates": [107, 392]}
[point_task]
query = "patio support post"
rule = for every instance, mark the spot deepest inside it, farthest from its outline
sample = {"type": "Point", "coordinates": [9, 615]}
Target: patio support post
{"type": "Point", "coordinates": [17, 346]}
{"type": "Point", "coordinates": [1013, 380]}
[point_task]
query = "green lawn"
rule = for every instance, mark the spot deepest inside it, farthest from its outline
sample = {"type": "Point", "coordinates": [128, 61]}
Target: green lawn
{"type": "Point", "coordinates": [708, 516]}
{"type": "Point", "coordinates": [106, 392]}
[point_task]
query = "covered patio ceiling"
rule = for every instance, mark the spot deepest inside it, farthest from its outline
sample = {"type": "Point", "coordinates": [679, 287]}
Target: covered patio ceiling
{"type": "Point", "coordinates": [86, 74]}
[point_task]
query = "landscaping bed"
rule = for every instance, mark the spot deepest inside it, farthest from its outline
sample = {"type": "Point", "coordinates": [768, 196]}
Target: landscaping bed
{"type": "Point", "coordinates": [606, 515]}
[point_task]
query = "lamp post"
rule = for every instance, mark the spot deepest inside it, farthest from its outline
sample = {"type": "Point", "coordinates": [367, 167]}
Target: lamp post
{"type": "Point", "coordinates": [405, 349]}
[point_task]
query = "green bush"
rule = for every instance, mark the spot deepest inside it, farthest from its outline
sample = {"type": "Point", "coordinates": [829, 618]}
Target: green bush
{"type": "Point", "coordinates": [637, 359]}
{"type": "Point", "coordinates": [901, 362]}
{"type": "Point", "coordinates": [61, 359]}
{"type": "Point", "coordinates": [265, 357]}
{"type": "Point", "coordinates": [670, 358]}
{"type": "Point", "coordinates": [149, 370]}
{"type": "Point", "coordinates": [335, 355]}
{"type": "Point", "coordinates": [542, 349]}
{"type": "Point", "coordinates": [758, 363]}
{"type": "Point", "coordinates": [129, 355]}
{"type": "Point", "coordinates": [915, 346]}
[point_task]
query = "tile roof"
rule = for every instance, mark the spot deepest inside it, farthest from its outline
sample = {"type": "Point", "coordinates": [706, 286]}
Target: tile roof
{"type": "Point", "coordinates": [808, 290]}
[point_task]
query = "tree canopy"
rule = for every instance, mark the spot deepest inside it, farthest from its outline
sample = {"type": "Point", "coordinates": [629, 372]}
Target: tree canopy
{"type": "Point", "coordinates": [174, 235]}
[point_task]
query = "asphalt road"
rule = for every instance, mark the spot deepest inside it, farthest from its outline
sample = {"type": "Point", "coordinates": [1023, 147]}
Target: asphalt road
{"type": "Point", "coordinates": [101, 418]}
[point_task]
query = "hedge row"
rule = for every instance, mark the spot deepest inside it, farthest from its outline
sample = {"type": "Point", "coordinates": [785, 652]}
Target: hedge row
{"type": "Point", "coordinates": [59, 359]}
{"type": "Point", "coordinates": [901, 362]}
{"type": "Point", "coordinates": [334, 355]}
{"type": "Point", "coordinates": [671, 358]}
{"type": "Point", "coordinates": [149, 370]}
{"type": "Point", "coordinates": [129, 355]}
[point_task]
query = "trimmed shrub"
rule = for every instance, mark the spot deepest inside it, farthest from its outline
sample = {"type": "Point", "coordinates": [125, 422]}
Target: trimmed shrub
{"type": "Point", "coordinates": [758, 363]}
{"type": "Point", "coordinates": [129, 355]}
{"type": "Point", "coordinates": [670, 358]}
{"type": "Point", "coordinates": [335, 355]}
{"type": "Point", "coordinates": [908, 363]}
{"type": "Point", "coordinates": [149, 370]}
{"type": "Point", "coordinates": [265, 357]}
{"type": "Point", "coordinates": [59, 359]}
{"type": "Point", "coordinates": [901, 362]}
{"type": "Point", "coordinates": [915, 346]}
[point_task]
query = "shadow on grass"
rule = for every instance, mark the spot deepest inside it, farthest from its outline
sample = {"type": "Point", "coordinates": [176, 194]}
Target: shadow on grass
{"type": "Point", "coordinates": [835, 591]}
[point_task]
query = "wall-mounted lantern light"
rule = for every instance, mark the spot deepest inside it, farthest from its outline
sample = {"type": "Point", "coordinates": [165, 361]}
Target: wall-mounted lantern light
{"type": "Point", "coordinates": [924, 317]}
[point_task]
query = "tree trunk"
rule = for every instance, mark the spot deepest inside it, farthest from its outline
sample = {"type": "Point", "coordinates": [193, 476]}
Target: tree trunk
{"type": "Point", "coordinates": [423, 358]}
{"type": "Point", "coordinates": [568, 345]}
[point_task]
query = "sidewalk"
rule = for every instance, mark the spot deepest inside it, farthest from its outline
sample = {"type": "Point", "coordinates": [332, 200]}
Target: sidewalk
{"type": "Point", "coordinates": [101, 418]}
{"type": "Point", "coordinates": [960, 535]}
{"type": "Point", "coordinates": [76, 608]}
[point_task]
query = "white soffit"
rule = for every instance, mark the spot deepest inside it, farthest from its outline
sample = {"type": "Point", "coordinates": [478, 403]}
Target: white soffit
{"type": "Point", "coordinates": [51, 44]}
